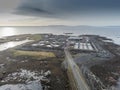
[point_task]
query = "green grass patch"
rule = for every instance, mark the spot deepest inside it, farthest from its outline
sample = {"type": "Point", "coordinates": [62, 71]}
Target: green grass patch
{"type": "Point", "coordinates": [36, 37]}
{"type": "Point", "coordinates": [37, 54]}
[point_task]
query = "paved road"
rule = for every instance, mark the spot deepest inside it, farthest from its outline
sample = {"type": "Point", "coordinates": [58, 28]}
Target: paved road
{"type": "Point", "coordinates": [79, 80]}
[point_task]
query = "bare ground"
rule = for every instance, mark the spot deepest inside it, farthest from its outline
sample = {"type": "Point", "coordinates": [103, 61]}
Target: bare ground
{"type": "Point", "coordinates": [58, 78]}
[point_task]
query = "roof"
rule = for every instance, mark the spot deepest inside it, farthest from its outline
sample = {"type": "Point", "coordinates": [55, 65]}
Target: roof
{"type": "Point", "coordinates": [74, 37]}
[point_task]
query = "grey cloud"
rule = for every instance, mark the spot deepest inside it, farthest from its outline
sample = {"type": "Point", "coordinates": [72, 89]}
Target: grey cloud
{"type": "Point", "coordinates": [63, 7]}
{"type": "Point", "coordinates": [7, 5]}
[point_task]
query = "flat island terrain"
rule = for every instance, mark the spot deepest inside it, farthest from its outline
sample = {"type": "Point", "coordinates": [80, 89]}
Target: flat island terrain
{"type": "Point", "coordinates": [38, 62]}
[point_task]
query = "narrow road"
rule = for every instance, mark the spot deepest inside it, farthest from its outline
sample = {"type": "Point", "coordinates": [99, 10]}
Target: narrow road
{"type": "Point", "coordinates": [79, 79]}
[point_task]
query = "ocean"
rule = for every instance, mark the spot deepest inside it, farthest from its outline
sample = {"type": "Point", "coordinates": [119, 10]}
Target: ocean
{"type": "Point", "coordinates": [110, 32]}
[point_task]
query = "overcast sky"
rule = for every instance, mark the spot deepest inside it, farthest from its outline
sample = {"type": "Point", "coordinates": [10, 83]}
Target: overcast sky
{"type": "Point", "coordinates": [60, 12]}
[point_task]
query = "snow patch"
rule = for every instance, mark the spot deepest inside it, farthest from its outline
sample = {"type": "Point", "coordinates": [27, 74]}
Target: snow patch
{"type": "Point", "coordinates": [29, 86]}
{"type": "Point", "coordinates": [23, 75]}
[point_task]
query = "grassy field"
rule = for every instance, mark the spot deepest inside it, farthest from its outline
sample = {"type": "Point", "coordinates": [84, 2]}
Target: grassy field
{"type": "Point", "coordinates": [36, 37]}
{"type": "Point", "coordinates": [37, 54]}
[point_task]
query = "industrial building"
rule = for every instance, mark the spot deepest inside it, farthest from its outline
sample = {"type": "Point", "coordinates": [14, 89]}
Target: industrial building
{"type": "Point", "coordinates": [80, 43]}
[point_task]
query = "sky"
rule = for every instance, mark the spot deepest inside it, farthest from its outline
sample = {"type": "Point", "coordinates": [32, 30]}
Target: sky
{"type": "Point", "coordinates": [59, 12]}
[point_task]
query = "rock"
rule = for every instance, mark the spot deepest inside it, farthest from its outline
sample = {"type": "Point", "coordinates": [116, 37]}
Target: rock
{"type": "Point", "coordinates": [116, 74]}
{"type": "Point", "coordinates": [45, 81]}
{"type": "Point", "coordinates": [112, 80]}
{"type": "Point", "coordinates": [48, 73]}
{"type": "Point", "coordinates": [4, 72]}
{"type": "Point", "coordinates": [1, 76]}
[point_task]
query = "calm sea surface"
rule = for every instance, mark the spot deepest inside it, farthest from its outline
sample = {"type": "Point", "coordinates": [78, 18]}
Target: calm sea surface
{"type": "Point", "coordinates": [111, 33]}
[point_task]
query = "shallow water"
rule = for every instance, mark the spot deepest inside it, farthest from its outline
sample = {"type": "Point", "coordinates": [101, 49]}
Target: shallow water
{"type": "Point", "coordinates": [12, 44]}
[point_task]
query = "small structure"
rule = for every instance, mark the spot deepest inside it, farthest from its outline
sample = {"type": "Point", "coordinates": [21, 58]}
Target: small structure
{"type": "Point", "coordinates": [80, 43]}
{"type": "Point", "coordinates": [75, 39]}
